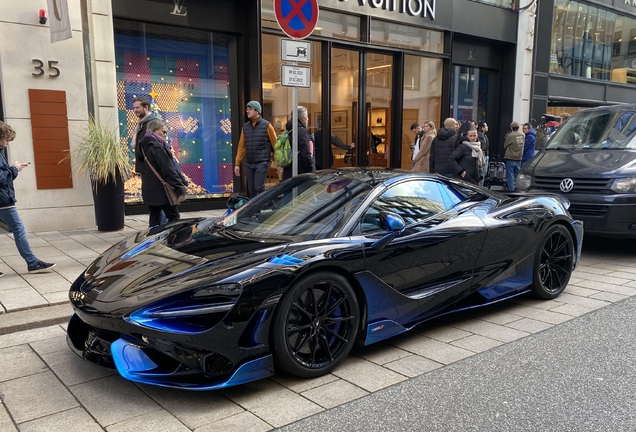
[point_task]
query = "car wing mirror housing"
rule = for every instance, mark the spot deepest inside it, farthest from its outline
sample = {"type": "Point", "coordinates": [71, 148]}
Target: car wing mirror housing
{"type": "Point", "coordinates": [394, 224]}
{"type": "Point", "coordinates": [236, 202]}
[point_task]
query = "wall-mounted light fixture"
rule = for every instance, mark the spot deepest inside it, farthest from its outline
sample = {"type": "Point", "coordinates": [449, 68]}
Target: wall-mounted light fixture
{"type": "Point", "coordinates": [42, 15]}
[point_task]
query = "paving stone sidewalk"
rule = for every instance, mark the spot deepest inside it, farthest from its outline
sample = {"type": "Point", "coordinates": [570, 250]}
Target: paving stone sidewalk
{"type": "Point", "coordinates": [44, 386]}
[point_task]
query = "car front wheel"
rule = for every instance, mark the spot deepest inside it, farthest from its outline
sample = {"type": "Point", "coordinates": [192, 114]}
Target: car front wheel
{"type": "Point", "coordinates": [554, 263]}
{"type": "Point", "coordinates": [315, 325]}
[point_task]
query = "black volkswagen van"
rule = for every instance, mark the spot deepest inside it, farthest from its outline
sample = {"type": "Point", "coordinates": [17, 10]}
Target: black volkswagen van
{"type": "Point", "coordinates": [591, 160]}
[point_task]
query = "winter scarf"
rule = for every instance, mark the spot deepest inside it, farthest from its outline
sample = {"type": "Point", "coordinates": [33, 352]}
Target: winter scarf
{"type": "Point", "coordinates": [477, 152]}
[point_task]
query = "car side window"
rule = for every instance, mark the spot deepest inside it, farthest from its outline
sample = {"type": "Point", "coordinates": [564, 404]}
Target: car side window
{"type": "Point", "coordinates": [415, 201]}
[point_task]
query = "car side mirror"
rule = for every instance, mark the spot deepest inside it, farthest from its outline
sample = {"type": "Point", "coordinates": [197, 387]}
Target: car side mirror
{"type": "Point", "coordinates": [236, 202]}
{"type": "Point", "coordinates": [392, 222]}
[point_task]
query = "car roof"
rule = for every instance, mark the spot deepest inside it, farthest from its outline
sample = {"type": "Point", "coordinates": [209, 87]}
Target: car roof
{"type": "Point", "coordinates": [374, 175]}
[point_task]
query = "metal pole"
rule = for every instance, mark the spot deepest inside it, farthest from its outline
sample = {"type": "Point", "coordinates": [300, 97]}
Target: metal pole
{"type": "Point", "coordinates": [295, 129]}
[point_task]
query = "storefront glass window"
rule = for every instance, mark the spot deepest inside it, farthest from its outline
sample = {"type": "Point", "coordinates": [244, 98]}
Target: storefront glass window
{"type": "Point", "coordinates": [185, 75]}
{"type": "Point", "coordinates": [422, 98]}
{"type": "Point", "coordinates": [330, 24]}
{"type": "Point", "coordinates": [277, 100]}
{"type": "Point", "coordinates": [500, 3]}
{"type": "Point", "coordinates": [587, 41]}
{"type": "Point", "coordinates": [402, 36]}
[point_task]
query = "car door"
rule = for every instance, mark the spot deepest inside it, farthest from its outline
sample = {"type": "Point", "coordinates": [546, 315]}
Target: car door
{"type": "Point", "coordinates": [432, 260]}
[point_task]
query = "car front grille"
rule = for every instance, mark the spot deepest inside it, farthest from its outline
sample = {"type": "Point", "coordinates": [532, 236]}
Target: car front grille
{"type": "Point", "coordinates": [581, 185]}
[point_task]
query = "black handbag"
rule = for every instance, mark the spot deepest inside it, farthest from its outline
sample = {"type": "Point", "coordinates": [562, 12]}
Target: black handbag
{"type": "Point", "coordinates": [174, 199]}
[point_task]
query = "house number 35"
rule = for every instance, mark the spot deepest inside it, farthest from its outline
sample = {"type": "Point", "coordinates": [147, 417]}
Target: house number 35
{"type": "Point", "coordinates": [38, 65]}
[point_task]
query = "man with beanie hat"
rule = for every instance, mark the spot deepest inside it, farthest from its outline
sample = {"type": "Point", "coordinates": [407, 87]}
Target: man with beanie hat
{"type": "Point", "coordinates": [255, 149]}
{"type": "Point", "coordinates": [513, 147]}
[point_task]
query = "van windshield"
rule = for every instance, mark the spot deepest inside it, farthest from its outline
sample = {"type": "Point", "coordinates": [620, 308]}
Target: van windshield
{"type": "Point", "coordinates": [598, 129]}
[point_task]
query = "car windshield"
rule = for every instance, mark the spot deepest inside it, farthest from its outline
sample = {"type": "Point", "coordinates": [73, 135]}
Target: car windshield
{"type": "Point", "coordinates": [308, 206]}
{"type": "Point", "coordinates": [598, 129]}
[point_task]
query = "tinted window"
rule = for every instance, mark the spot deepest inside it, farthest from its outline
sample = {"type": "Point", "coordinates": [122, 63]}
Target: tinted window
{"type": "Point", "coordinates": [596, 129]}
{"type": "Point", "coordinates": [415, 201]}
{"type": "Point", "coordinates": [310, 207]}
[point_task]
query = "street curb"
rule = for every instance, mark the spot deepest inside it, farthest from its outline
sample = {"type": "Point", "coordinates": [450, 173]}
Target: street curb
{"type": "Point", "coordinates": [35, 318]}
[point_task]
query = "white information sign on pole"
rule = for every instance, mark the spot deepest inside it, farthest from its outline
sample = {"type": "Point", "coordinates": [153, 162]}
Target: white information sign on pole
{"type": "Point", "coordinates": [295, 51]}
{"type": "Point", "coordinates": [295, 76]}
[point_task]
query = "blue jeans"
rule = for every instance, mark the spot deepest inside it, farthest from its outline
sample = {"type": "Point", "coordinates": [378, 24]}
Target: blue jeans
{"type": "Point", "coordinates": [11, 217]}
{"type": "Point", "coordinates": [256, 174]}
{"type": "Point", "coordinates": [512, 171]}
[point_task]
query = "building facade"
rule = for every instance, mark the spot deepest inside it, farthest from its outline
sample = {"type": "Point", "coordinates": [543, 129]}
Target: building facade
{"type": "Point", "coordinates": [585, 55]}
{"type": "Point", "coordinates": [377, 66]}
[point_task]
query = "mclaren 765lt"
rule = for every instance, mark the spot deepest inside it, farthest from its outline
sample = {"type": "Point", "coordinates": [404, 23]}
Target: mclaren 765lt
{"type": "Point", "coordinates": [298, 275]}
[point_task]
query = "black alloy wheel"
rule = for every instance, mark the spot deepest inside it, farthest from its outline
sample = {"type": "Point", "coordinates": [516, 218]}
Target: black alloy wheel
{"type": "Point", "coordinates": [554, 263]}
{"type": "Point", "coordinates": [315, 325]}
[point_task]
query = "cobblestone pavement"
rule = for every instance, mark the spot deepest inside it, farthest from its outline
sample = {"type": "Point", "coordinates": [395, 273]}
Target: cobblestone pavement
{"type": "Point", "coordinates": [46, 387]}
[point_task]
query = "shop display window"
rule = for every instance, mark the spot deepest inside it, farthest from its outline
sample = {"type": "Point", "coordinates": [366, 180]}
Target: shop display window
{"type": "Point", "coordinates": [277, 99]}
{"type": "Point", "coordinates": [592, 42]}
{"type": "Point", "coordinates": [185, 74]}
{"type": "Point", "coordinates": [422, 99]}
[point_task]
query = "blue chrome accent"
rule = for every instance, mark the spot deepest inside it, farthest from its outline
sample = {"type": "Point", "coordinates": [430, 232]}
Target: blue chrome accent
{"type": "Point", "coordinates": [134, 365]}
{"type": "Point", "coordinates": [144, 245]}
{"type": "Point", "coordinates": [381, 330]}
{"type": "Point", "coordinates": [578, 229]}
{"type": "Point", "coordinates": [392, 221]}
{"type": "Point", "coordinates": [130, 359]}
{"type": "Point", "coordinates": [285, 260]}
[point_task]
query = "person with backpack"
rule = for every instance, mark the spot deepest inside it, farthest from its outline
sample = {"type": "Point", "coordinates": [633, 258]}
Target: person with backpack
{"type": "Point", "coordinates": [255, 148]}
{"type": "Point", "coordinates": [306, 161]}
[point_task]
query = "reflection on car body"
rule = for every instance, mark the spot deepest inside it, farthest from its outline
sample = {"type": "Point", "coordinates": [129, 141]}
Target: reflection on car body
{"type": "Point", "coordinates": [293, 278]}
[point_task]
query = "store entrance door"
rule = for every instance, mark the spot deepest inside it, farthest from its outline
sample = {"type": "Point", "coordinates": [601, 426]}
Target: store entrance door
{"type": "Point", "coordinates": [361, 107]}
{"type": "Point", "coordinates": [471, 92]}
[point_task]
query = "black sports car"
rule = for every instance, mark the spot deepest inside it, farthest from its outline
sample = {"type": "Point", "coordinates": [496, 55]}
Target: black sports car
{"type": "Point", "coordinates": [299, 274]}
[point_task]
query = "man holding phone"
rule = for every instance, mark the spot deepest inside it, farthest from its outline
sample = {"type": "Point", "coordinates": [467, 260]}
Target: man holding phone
{"type": "Point", "coordinates": [8, 211]}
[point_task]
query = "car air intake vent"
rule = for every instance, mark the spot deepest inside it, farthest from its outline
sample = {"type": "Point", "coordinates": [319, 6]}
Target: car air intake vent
{"type": "Point", "coordinates": [581, 185]}
{"type": "Point", "coordinates": [587, 211]}
{"type": "Point", "coordinates": [285, 260]}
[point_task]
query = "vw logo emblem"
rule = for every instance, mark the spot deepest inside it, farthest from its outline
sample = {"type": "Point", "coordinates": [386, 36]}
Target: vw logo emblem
{"type": "Point", "coordinates": [566, 185]}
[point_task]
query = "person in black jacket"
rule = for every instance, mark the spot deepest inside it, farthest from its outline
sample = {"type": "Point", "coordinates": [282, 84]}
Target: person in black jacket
{"type": "Point", "coordinates": [8, 211]}
{"type": "Point", "coordinates": [333, 141]}
{"type": "Point", "coordinates": [468, 158]}
{"type": "Point", "coordinates": [306, 161]}
{"type": "Point", "coordinates": [153, 150]}
{"type": "Point", "coordinates": [442, 147]}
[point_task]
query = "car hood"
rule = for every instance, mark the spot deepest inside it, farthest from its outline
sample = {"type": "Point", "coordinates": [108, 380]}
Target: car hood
{"type": "Point", "coordinates": [583, 163]}
{"type": "Point", "coordinates": [187, 255]}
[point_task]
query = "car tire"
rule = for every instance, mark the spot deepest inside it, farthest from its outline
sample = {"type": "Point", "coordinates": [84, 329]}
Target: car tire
{"type": "Point", "coordinates": [553, 263]}
{"type": "Point", "coordinates": [315, 325]}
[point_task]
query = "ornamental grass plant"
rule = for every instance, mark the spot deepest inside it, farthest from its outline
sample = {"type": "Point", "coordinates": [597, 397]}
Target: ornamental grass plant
{"type": "Point", "coordinates": [101, 155]}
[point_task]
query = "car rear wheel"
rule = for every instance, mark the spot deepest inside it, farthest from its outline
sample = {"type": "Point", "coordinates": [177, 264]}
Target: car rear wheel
{"type": "Point", "coordinates": [554, 263]}
{"type": "Point", "coordinates": [315, 325]}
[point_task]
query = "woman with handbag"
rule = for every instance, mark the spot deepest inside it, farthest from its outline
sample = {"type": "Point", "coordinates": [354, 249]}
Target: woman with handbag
{"type": "Point", "coordinates": [162, 187]}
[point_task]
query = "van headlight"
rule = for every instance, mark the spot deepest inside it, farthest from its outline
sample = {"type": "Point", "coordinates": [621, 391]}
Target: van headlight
{"type": "Point", "coordinates": [624, 185]}
{"type": "Point", "coordinates": [524, 181]}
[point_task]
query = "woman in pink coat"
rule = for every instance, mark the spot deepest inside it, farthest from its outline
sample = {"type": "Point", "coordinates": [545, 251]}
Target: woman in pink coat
{"type": "Point", "coordinates": [422, 157]}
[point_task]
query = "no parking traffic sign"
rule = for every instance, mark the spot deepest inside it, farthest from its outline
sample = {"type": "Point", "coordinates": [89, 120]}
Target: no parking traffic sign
{"type": "Point", "coordinates": [297, 18]}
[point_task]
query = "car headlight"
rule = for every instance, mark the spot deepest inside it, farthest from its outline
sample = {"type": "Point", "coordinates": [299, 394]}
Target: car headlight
{"type": "Point", "coordinates": [193, 311]}
{"type": "Point", "coordinates": [524, 181]}
{"type": "Point", "coordinates": [624, 185]}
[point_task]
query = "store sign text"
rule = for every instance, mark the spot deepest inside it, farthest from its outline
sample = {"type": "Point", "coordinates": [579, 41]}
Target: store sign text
{"type": "Point", "coordinates": [419, 8]}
